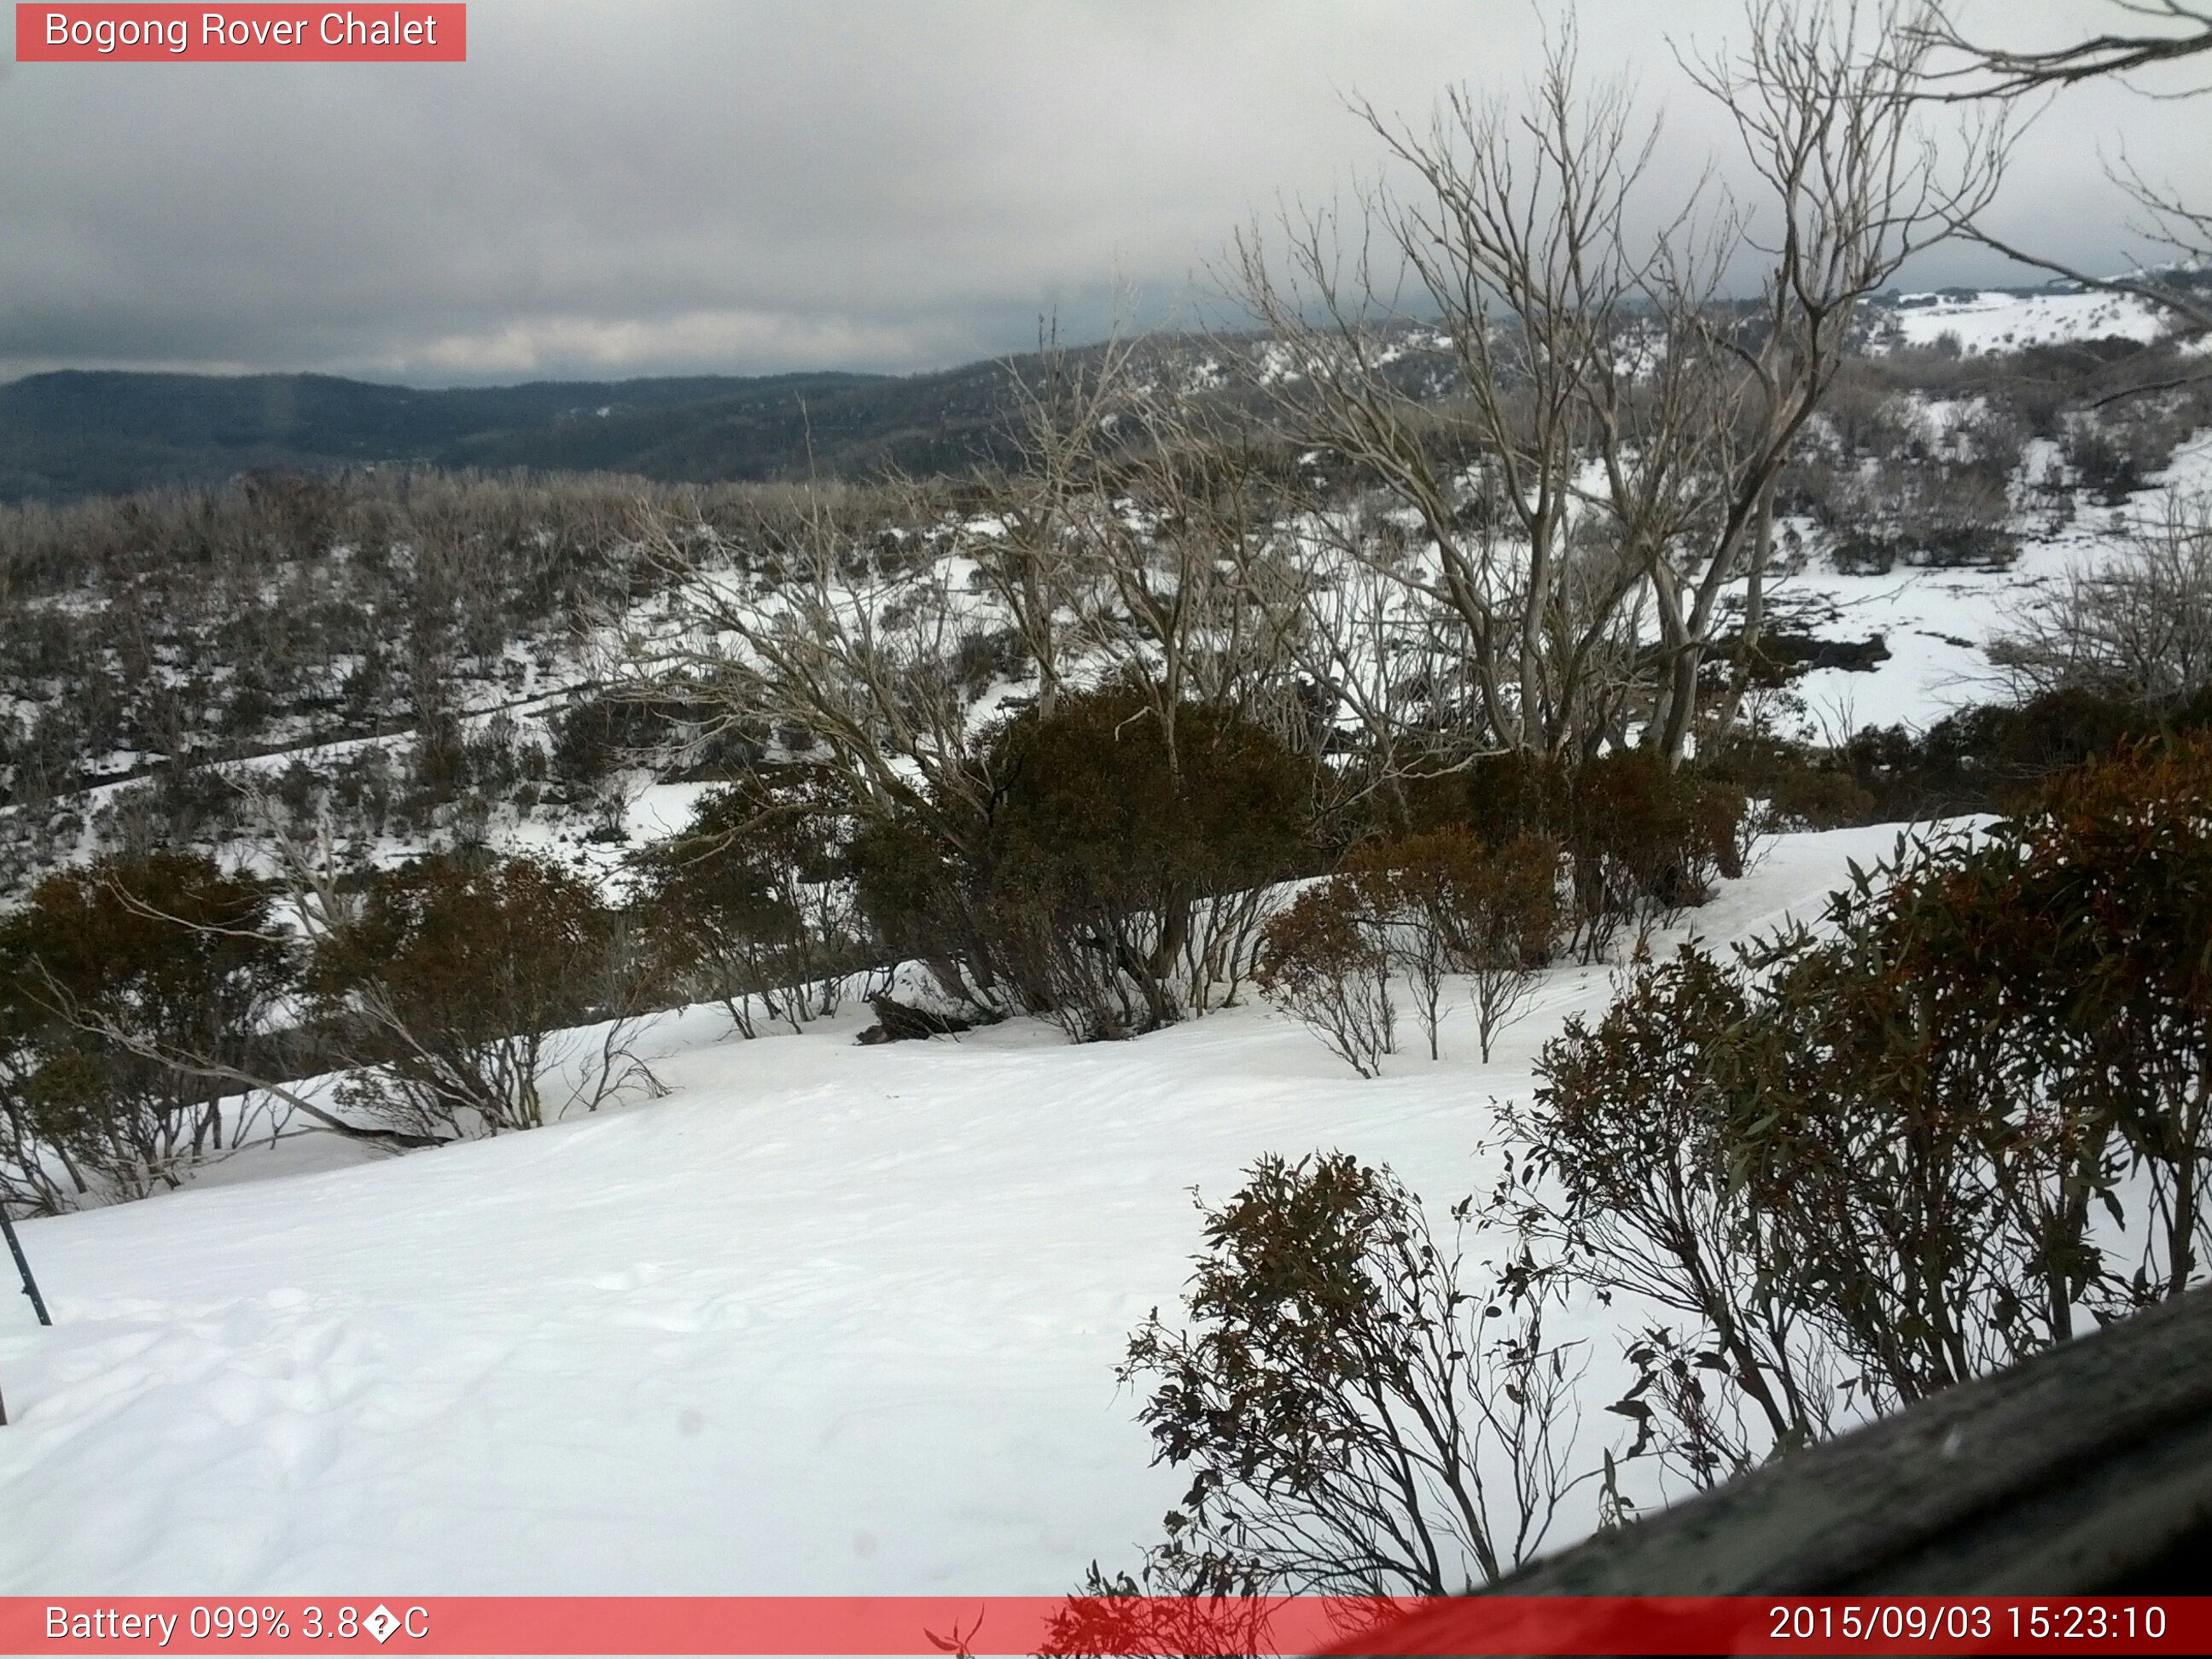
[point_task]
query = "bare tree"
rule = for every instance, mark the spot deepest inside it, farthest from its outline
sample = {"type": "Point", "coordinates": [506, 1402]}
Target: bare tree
{"type": "Point", "coordinates": [1033, 538]}
{"type": "Point", "coordinates": [2155, 33]}
{"type": "Point", "coordinates": [1512, 236]}
{"type": "Point", "coordinates": [818, 637]}
{"type": "Point", "coordinates": [2004, 72]}
{"type": "Point", "coordinates": [1121, 549]}
{"type": "Point", "coordinates": [2136, 625]}
{"type": "Point", "coordinates": [1197, 610]}
{"type": "Point", "coordinates": [1823, 98]}
{"type": "Point", "coordinates": [1382, 671]}
{"type": "Point", "coordinates": [1614, 429]}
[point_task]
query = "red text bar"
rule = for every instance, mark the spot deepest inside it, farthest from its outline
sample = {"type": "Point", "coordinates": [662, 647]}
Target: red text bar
{"type": "Point", "coordinates": [108, 33]}
{"type": "Point", "coordinates": [993, 1626]}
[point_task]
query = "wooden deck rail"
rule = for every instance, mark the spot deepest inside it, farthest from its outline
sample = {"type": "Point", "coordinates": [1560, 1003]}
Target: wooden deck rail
{"type": "Point", "coordinates": [2085, 1469]}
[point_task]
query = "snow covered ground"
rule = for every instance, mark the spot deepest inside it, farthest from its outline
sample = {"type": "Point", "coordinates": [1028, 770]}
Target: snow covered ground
{"type": "Point", "coordinates": [827, 1319]}
{"type": "Point", "coordinates": [1997, 319]}
{"type": "Point", "coordinates": [1936, 623]}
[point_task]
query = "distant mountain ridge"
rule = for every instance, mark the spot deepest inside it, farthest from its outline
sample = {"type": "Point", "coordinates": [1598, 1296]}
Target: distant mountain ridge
{"type": "Point", "coordinates": [77, 433]}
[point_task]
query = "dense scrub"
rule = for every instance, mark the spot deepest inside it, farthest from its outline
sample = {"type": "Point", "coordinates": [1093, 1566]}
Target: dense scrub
{"type": "Point", "coordinates": [1104, 866]}
{"type": "Point", "coordinates": [104, 970]}
{"type": "Point", "coordinates": [1963, 1120]}
{"type": "Point", "coordinates": [751, 905]}
{"type": "Point", "coordinates": [444, 617]}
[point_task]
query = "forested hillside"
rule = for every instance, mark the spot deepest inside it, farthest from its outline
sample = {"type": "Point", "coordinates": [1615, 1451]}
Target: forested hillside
{"type": "Point", "coordinates": [75, 433]}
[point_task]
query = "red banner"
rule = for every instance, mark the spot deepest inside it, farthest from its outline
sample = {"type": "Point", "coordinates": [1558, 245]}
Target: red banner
{"type": "Point", "coordinates": [993, 1625]}
{"type": "Point", "coordinates": [110, 33]}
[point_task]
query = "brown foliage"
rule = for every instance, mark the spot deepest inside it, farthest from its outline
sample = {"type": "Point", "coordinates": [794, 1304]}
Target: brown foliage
{"type": "Point", "coordinates": [1352, 1420]}
{"type": "Point", "coordinates": [1445, 903]}
{"type": "Point", "coordinates": [1321, 961]}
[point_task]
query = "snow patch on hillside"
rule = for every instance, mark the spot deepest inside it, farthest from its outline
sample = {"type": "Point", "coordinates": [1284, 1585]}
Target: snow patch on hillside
{"type": "Point", "coordinates": [1937, 623]}
{"type": "Point", "coordinates": [1996, 320]}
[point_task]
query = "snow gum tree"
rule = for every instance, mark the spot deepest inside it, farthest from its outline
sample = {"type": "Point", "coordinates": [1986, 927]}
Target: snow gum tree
{"type": "Point", "coordinates": [1612, 426]}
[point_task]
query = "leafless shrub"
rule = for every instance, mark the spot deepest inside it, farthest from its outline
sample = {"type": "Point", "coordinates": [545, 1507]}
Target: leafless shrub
{"type": "Point", "coordinates": [2136, 626]}
{"type": "Point", "coordinates": [1568, 337]}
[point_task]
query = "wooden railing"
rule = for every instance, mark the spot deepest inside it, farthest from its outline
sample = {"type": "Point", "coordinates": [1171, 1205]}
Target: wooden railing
{"type": "Point", "coordinates": [2086, 1469]}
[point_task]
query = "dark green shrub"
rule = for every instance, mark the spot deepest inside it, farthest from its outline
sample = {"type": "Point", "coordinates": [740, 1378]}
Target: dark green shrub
{"type": "Point", "coordinates": [1995, 756]}
{"type": "Point", "coordinates": [1816, 797]}
{"type": "Point", "coordinates": [455, 988]}
{"type": "Point", "coordinates": [1803, 788]}
{"type": "Point", "coordinates": [1497, 796]}
{"type": "Point", "coordinates": [746, 905]}
{"type": "Point", "coordinates": [114, 976]}
{"type": "Point", "coordinates": [1115, 879]}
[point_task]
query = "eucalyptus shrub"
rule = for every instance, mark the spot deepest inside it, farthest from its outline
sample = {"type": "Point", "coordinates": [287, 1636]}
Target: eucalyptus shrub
{"type": "Point", "coordinates": [1966, 1117]}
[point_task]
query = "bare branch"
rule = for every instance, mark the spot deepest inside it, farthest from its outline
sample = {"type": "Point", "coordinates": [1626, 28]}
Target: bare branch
{"type": "Point", "coordinates": [1991, 71]}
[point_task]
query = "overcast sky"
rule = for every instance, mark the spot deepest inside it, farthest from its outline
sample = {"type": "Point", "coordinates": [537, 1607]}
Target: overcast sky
{"type": "Point", "coordinates": [617, 187]}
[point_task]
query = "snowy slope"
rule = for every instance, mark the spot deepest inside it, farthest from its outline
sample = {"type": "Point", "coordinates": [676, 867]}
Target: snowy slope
{"type": "Point", "coordinates": [1999, 320]}
{"type": "Point", "coordinates": [1937, 623]}
{"type": "Point", "coordinates": [827, 1319]}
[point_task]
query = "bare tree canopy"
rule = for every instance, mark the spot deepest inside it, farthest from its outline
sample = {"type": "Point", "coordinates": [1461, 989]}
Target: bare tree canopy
{"type": "Point", "coordinates": [2168, 224]}
{"type": "Point", "coordinates": [1995, 71]}
{"type": "Point", "coordinates": [2136, 626]}
{"type": "Point", "coordinates": [1615, 428]}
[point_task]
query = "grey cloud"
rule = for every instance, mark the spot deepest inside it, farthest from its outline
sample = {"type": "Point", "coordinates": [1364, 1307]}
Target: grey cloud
{"type": "Point", "coordinates": [626, 188]}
